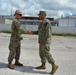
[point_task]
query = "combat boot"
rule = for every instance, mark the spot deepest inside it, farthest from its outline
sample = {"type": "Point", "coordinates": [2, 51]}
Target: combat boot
{"type": "Point", "coordinates": [54, 68]}
{"type": "Point", "coordinates": [43, 66]}
{"type": "Point", "coordinates": [10, 66]}
{"type": "Point", "coordinates": [17, 63]}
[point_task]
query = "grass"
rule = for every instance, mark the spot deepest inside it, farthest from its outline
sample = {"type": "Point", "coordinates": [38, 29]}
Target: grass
{"type": "Point", "coordinates": [5, 31]}
{"type": "Point", "coordinates": [54, 34]}
{"type": "Point", "coordinates": [8, 32]}
{"type": "Point", "coordinates": [73, 35]}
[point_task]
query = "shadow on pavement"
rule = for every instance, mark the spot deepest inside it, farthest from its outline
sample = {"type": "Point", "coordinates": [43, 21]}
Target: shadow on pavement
{"type": "Point", "coordinates": [3, 65]}
{"type": "Point", "coordinates": [24, 69]}
{"type": "Point", "coordinates": [29, 69]}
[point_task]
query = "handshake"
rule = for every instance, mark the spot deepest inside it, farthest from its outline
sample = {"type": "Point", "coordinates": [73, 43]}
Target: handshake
{"type": "Point", "coordinates": [30, 32]}
{"type": "Point", "coordinates": [33, 32]}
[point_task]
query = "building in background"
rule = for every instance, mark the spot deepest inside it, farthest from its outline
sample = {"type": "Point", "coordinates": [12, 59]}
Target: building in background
{"type": "Point", "coordinates": [64, 25]}
{"type": "Point", "coordinates": [29, 23]}
{"type": "Point", "coordinates": [6, 17]}
{"type": "Point", "coordinates": [69, 21]}
{"type": "Point", "coordinates": [24, 19]}
{"type": "Point", "coordinates": [32, 23]}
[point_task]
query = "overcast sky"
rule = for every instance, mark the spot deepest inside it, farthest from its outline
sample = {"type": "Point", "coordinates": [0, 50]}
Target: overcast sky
{"type": "Point", "coordinates": [53, 8]}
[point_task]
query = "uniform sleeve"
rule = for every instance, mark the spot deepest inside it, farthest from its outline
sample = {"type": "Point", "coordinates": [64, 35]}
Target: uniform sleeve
{"type": "Point", "coordinates": [24, 30]}
{"type": "Point", "coordinates": [48, 32]}
{"type": "Point", "coordinates": [16, 24]}
{"type": "Point", "coordinates": [20, 28]}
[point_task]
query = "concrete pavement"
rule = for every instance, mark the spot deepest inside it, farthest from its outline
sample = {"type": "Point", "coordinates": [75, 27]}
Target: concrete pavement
{"type": "Point", "coordinates": [63, 50]}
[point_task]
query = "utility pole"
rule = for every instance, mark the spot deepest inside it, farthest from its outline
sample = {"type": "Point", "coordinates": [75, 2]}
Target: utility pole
{"type": "Point", "coordinates": [11, 14]}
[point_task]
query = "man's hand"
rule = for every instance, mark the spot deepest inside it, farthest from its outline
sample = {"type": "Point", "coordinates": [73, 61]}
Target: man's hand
{"type": "Point", "coordinates": [42, 43]}
{"type": "Point", "coordinates": [30, 32]}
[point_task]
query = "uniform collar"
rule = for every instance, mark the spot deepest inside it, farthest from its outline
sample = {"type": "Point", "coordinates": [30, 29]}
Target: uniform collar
{"type": "Point", "coordinates": [44, 20]}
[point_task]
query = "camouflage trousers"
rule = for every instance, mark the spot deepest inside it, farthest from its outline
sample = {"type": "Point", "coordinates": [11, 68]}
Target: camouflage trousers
{"type": "Point", "coordinates": [14, 49]}
{"type": "Point", "coordinates": [44, 52]}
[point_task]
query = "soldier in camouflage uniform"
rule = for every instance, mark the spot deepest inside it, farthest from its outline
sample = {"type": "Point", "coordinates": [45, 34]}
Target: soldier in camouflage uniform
{"type": "Point", "coordinates": [15, 40]}
{"type": "Point", "coordinates": [44, 33]}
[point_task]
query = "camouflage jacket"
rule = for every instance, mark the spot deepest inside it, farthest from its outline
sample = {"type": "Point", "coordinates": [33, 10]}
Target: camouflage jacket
{"type": "Point", "coordinates": [45, 31]}
{"type": "Point", "coordinates": [16, 31]}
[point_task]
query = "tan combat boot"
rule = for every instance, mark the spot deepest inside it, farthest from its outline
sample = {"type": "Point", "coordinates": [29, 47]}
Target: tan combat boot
{"type": "Point", "coordinates": [10, 66]}
{"type": "Point", "coordinates": [41, 67]}
{"type": "Point", "coordinates": [54, 68]}
{"type": "Point", "coordinates": [17, 63]}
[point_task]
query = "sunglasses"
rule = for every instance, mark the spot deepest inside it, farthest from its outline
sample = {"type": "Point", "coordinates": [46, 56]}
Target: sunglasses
{"type": "Point", "coordinates": [19, 14]}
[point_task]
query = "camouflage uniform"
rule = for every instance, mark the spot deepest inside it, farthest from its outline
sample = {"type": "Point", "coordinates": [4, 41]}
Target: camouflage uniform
{"type": "Point", "coordinates": [15, 41]}
{"type": "Point", "coordinates": [45, 32]}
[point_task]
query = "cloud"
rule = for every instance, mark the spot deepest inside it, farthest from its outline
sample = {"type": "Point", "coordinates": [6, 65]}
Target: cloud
{"type": "Point", "coordinates": [54, 8]}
